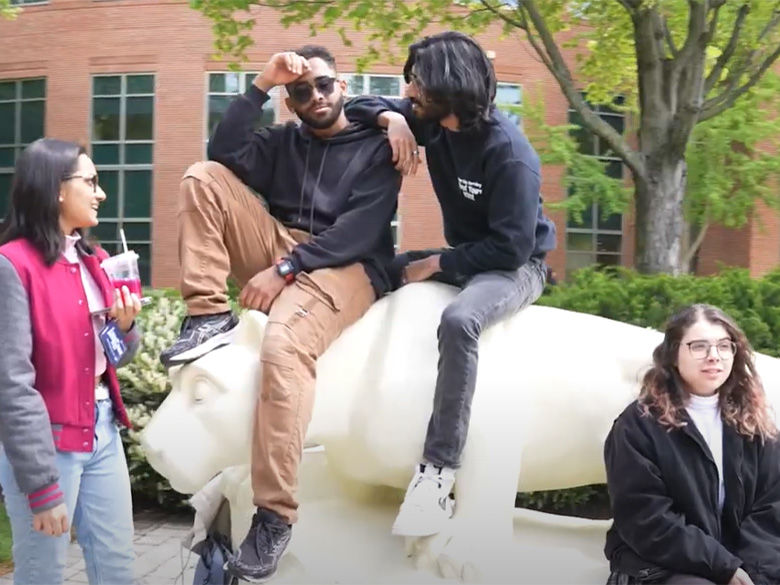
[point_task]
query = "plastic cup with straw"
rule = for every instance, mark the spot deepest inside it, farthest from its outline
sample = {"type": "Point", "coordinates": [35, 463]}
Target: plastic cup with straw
{"type": "Point", "coordinates": [122, 270]}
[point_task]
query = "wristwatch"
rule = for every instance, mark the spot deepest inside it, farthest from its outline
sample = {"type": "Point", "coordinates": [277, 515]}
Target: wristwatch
{"type": "Point", "coordinates": [285, 269]}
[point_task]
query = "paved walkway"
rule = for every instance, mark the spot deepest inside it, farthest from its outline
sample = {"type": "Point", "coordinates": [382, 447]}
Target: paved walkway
{"type": "Point", "coordinates": [160, 559]}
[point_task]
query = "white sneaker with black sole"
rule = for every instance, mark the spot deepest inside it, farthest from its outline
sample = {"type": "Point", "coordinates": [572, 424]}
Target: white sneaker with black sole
{"type": "Point", "coordinates": [199, 335]}
{"type": "Point", "coordinates": [428, 503]}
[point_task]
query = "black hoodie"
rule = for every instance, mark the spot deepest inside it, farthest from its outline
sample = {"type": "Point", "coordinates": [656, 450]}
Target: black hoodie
{"type": "Point", "coordinates": [343, 190]}
{"type": "Point", "coordinates": [487, 183]}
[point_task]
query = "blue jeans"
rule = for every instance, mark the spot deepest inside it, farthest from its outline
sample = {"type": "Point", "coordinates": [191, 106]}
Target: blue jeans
{"type": "Point", "coordinates": [96, 486]}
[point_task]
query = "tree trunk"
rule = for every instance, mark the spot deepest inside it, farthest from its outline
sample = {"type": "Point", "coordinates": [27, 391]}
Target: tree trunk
{"type": "Point", "coordinates": [659, 216]}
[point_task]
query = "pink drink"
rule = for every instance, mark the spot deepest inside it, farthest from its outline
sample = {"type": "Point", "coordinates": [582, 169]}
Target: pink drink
{"type": "Point", "coordinates": [132, 284]}
{"type": "Point", "coordinates": [122, 270]}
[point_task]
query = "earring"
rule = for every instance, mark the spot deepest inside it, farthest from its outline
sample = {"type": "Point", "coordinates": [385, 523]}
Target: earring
{"type": "Point", "coordinates": [62, 199]}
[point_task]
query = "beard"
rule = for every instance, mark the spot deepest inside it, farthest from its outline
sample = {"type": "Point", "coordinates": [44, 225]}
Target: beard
{"type": "Point", "coordinates": [430, 111]}
{"type": "Point", "coordinates": [327, 121]}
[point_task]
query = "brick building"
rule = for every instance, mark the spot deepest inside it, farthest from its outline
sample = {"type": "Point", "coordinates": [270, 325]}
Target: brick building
{"type": "Point", "coordinates": [135, 81]}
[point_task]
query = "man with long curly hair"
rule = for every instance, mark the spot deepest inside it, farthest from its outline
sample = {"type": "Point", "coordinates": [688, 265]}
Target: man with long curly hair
{"type": "Point", "coordinates": [486, 176]}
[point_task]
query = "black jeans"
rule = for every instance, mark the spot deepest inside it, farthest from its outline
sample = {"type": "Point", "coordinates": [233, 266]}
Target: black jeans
{"type": "Point", "coordinates": [484, 299]}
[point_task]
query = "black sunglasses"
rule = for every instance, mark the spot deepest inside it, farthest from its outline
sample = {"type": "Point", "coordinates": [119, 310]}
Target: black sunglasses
{"type": "Point", "coordinates": [303, 92]}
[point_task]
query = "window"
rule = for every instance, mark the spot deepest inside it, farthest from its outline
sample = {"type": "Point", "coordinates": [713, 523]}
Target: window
{"type": "Point", "coordinates": [381, 85]}
{"type": "Point", "coordinates": [509, 98]}
{"type": "Point", "coordinates": [22, 117]}
{"type": "Point", "coordinates": [123, 151]}
{"type": "Point", "coordinates": [223, 87]}
{"type": "Point", "coordinates": [597, 240]}
{"type": "Point", "coordinates": [385, 86]}
{"type": "Point", "coordinates": [20, 2]}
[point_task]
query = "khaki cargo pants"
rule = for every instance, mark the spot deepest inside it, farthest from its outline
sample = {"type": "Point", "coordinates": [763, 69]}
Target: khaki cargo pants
{"type": "Point", "coordinates": [225, 230]}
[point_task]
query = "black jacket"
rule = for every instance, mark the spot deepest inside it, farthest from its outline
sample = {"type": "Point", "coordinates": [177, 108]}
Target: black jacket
{"type": "Point", "coordinates": [487, 183]}
{"type": "Point", "coordinates": [343, 190]}
{"type": "Point", "coordinates": [663, 487]}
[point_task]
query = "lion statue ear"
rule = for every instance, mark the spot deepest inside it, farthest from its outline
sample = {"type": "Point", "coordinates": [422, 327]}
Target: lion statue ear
{"type": "Point", "coordinates": [250, 329]}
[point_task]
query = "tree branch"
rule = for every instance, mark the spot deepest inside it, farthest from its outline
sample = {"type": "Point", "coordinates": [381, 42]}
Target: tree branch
{"type": "Point", "coordinates": [729, 49]}
{"type": "Point", "coordinates": [553, 59]}
{"type": "Point", "coordinates": [687, 75]}
{"type": "Point", "coordinates": [652, 77]}
{"type": "Point", "coordinates": [502, 14]}
{"type": "Point", "coordinates": [771, 24]}
{"type": "Point", "coordinates": [697, 25]}
{"type": "Point", "coordinates": [695, 245]}
{"type": "Point", "coordinates": [724, 101]}
{"type": "Point", "coordinates": [669, 40]}
{"type": "Point", "coordinates": [630, 5]}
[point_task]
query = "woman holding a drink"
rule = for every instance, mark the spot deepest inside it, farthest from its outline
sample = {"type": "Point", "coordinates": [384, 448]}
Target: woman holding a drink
{"type": "Point", "coordinates": [64, 329]}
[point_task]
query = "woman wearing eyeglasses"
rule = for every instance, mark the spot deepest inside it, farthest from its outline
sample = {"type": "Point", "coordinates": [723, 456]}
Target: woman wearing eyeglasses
{"type": "Point", "coordinates": [61, 460]}
{"type": "Point", "coordinates": [693, 466]}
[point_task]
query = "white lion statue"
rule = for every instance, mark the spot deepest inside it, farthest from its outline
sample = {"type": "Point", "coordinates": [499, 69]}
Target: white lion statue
{"type": "Point", "coordinates": [549, 385]}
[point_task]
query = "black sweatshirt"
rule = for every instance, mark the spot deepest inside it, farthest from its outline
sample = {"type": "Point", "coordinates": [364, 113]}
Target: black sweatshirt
{"type": "Point", "coordinates": [487, 183]}
{"type": "Point", "coordinates": [663, 486]}
{"type": "Point", "coordinates": [343, 190]}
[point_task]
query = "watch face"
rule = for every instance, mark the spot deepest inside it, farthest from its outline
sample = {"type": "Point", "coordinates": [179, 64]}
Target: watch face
{"type": "Point", "coordinates": [284, 267]}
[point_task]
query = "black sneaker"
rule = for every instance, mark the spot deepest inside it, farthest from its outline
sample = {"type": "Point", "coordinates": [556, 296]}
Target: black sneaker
{"type": "Point", "coordinates": [199, 335]}
{"type": "Point", "coordinates": [258, 556]}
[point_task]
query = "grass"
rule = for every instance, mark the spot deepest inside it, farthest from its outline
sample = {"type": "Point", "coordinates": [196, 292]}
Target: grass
{"type": "Point", "coordinates": [5, 542]}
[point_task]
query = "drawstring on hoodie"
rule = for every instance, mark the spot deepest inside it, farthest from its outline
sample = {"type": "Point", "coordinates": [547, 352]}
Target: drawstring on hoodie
{"type": "Point", "coordinates": [303, 183]}
{"type": "Point", "coordinates": [316, 184]}
{"type": "Point", "coordinates": [316, 187]}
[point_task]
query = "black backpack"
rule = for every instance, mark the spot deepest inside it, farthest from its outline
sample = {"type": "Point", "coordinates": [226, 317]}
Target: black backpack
{"type": "Point", "coordinates": [214, 552]}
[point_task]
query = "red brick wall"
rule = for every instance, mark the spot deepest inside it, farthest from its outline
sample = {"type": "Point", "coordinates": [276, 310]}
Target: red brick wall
{"type": "Point", "coordinates": [755, 246]}
{"type": "Point", "coordinates": [69, 40]}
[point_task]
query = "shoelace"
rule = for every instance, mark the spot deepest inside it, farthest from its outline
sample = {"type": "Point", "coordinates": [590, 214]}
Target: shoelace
{"type": "Point", "coordinates": [266, 533]}
{"type": "Point", "coordinates": [438, 479]}
{"type": "Point", "coordinates": [204, 328]}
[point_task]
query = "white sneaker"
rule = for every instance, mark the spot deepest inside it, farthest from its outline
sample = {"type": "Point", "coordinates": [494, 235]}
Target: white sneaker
{"type": "Point", "coordinates": [427, 505]}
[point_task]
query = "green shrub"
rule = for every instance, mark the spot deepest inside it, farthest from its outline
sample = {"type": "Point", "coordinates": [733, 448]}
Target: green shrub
{"type": "Point", "coordinates": [589, 501]}
{"type": "Point", "coordinates": [145, 385]}
{"type": "Point", "coordinates": [5, 539]}
{"type": "Point", "coordinates": [648, 301]}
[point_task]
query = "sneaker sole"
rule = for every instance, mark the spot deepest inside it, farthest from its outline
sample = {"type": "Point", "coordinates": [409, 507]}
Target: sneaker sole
{"type": "Point", "coordinates": [207, 346]}
{"type": "Point", "coordinates": [253, 579]}
{"type": "Point", "coordinates": [396, 531]}
{"type": "Point", "coordinates": [248, 578]}
{"type": "Point", "coordinates": [399, 530]}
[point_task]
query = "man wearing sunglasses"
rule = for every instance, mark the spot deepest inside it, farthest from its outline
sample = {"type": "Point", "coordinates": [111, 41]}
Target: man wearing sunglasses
{"type": "Point", "coordinates": [486, 177]}
{"type": "Point", "coordinates": [315, 261]}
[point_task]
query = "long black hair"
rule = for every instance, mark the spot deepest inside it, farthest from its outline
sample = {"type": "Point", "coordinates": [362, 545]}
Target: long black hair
{"type": "Point", "coordinates": [454, 71]}
{"type": "Point", "coordinates": [34, 212]}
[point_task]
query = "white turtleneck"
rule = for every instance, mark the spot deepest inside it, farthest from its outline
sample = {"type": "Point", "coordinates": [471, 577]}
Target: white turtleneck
{"type": "Point", "coordinates": [94, 302]}
{"type": "Point", "coordinates": [705, 413]}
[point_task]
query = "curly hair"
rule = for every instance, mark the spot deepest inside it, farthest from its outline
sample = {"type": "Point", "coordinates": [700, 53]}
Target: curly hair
{"type": "Point", "coordinates": [741, 398]}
